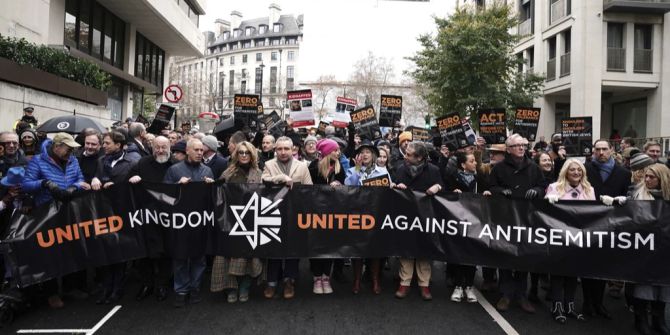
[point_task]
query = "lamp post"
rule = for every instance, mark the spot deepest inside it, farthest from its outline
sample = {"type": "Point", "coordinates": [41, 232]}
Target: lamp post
{"type": "Point", "coordinates": [262, 66]}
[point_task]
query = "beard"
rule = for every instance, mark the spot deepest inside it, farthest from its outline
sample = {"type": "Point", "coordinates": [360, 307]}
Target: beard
{"type": "Point", "coordinates": [163, 158]}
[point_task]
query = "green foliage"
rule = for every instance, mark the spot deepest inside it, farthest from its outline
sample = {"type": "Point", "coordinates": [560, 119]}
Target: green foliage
{"type": "Point", "coordinates": [54, 61]}
{"type": "Point", "coordinates": [469, 63]}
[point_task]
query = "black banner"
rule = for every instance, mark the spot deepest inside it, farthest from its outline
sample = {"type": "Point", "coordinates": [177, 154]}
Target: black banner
{"type": "Point", "coordinates": [390, 110]}
{"type": "Point", "coordinates": [577, 135]}
{"type": "Point", "coordinates": [365, 122]}
{"type": "Point", "coordinates": [128, 222]}
{"type": "Point", "coordinates": [246, 109]}
{"type": "Point", "coordinates": [451, 131]}
{"type": "Point", "coordinates": [526, 121]}
{"type": "Point", "coordinates": [493, 125]}
{"type": "Point", "coordinates": [420, 134]}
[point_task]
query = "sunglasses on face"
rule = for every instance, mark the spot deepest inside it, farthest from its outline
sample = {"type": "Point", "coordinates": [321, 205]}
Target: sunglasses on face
{"type": "Point", "coordinates": [10, 143]}
{"type": "Point", "coordinates": [243, 153]}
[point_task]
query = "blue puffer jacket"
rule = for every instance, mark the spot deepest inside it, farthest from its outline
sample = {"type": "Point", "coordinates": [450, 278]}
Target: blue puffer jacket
{"type": "Point", "coordinates": [42, 167]}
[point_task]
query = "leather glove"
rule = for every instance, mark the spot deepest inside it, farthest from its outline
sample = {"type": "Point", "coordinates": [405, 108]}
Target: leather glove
{"type": "Point", "coordinates": [506, 192]}
{"type": "Point", "coordinates": [68, 193]}
{"type": "Point", "coordinates": [531, 194]}
{"type": "Point", "coordinates": [54, 189]}
{"type": "Point", "coordinates": [607, 200]}
{"type": "Point", "coordinates": [552, 198]}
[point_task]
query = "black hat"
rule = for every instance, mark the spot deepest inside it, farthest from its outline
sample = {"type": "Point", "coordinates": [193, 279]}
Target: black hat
{"type": "Point", "coordinates": [365, 143]}
{"type": "Point", "coordinates": [29, 109]}
{"type": "Point", "coordinates": [179, 147]}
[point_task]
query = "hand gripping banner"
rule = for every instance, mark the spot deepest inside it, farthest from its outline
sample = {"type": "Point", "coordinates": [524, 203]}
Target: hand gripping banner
{"type": "Point", "coordinates": [126, 222]}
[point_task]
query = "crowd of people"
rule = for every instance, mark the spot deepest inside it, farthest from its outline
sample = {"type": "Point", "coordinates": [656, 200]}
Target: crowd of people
{"type": "Point", "coordinates": [37, 169]}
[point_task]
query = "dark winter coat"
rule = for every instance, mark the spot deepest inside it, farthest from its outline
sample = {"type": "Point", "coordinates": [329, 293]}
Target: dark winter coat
{"type": "Point", "coordinates": [149, 170]}
{"type": "Point", "coordinates": [317, 178]}
{"type": "Point", "coordinates": [616, 184]}
{"type": "Point", "coordinates": [428, 176]}
{"type": "Point", "coordinates": [518, 178]}
{"type": "Point", "coordinates": [217, 164]}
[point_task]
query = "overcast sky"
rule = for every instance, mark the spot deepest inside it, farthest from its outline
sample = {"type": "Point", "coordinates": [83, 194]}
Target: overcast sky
{"type": "Point", "coordinates": [339, 32]}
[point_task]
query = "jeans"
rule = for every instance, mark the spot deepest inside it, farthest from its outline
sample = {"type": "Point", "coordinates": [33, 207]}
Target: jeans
{"type": "Point", "coordinates": [563, 288]}
{"type": "Point", "coordinates": [320, 267]}
{"type": "Point", "coordinates": [188, 274]}
{"type": "Point", "coordinates": [464, 275]}
{"type": "Point", "coordinates": [275, 269]}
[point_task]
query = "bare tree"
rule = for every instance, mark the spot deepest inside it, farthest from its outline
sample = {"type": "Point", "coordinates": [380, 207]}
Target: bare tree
{"type": "Point", "coordinates": [322, 90]}
{"type": "Point", "coordinates": [370, 77]}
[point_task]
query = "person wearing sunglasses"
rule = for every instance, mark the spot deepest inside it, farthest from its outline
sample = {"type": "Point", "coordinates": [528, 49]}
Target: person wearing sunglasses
{"type": "Point", "coordinates": [235, 274]}
{"type": "Point", "coordinates": [12, 156]}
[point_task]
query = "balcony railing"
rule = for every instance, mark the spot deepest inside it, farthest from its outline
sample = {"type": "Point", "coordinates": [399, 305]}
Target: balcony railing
{"type": "Point", "coordinates": [551, 69]}
{"type": "Point", "coordinates": [637, 6]}
{"type": "Point", "coordinates": [559, 10]}
{"type": "Point", "coordinates": [525, 28]}
{"type": "Point", "coordinates": [616, 59]}
{"type": "Point", "coordinates": [565, 64]}
{"type": "Point", "coordinates": [643, 60]}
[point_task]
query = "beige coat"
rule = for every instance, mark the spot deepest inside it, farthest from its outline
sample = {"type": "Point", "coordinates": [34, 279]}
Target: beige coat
{"type": "Point", "coordinates": [299, 172]}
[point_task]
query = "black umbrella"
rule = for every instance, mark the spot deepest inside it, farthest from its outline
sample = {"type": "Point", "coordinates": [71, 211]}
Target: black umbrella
{"type": "Point", "coordinates": [72, 124]}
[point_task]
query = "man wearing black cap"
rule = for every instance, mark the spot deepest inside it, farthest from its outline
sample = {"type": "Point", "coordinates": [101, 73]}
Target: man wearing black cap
{"type": "Point", "coordinates": [28, 116]}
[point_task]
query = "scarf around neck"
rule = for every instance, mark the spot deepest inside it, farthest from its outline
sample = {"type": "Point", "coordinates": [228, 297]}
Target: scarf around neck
{"type": "Point", "coordinates": [605, 169]}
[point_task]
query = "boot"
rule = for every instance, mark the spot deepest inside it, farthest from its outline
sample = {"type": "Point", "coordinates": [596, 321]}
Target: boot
{"type": "Point", "coordinates": [557, 312]}
{"type": "Point", "coordinates": [658, 318]}
{"type": "Point", "coordinates": [641, 317]}
{"type": "Point", "coordinates": [358, 269]}
{"type": "Point", "coordinates": [376, 269]}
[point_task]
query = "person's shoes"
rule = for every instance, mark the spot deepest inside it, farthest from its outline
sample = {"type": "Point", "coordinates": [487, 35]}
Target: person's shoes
{"type": "Point", "coordinates": [318, 286]}
{"type": "Point", "coordinates": [194, 297]}
{"type": "Point", "coordinates": [572, 312]}
{"type": "Point", "coordinates": [402, 292]}
{"type": "Point", "coordinates": [144, 292]}
{"type": "Point", "coordinates": [325, 281]}
{"type": "Point", "coordinates": [289, 289]}
{"type": "Point", "coordinates": [557, 312]}
{"type": "Point", "coordinates": [161, 293]}
{"type": "Point", "coordinates": [232, 297]}
{"type": "Point", "coordinates": [526, 306]}
{"type": "Point", "coordinates": [179, 300]}
{"type": "Point", "coordinates": [457, 295]}
{"type": "Point", "coordinates": [269, 291]}
{"type": "Point", "coordinates": [470, 294]}
{"type": "Point", "coordinates": [602, 311]}
{"type": "Point", "coordinates": [503, 304]}
{"type": "Point", "coordinates": [55, 301]}
{"type": "Point", "coordinates": [356, 288]}
{"type": "Point", "coordinates": [244, 295]}
{"type": "Point", "coordinates": [425, 293]}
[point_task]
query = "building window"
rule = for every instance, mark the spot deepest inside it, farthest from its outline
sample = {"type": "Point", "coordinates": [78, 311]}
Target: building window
{"type": "Point", "coordinates": [643, 48]}
{"type": "Point", "coordinates": [226, 35]}
{"type": "Point", "coordinates": [247, 44]}
{"type": "Point", "coordinates": [273, 79]}
{"type": "Point", "coordinates": [248, 31]}
{"type": "Point", "coordinates": [260, 43]}
{"type": "Point", "coordinates": [244, 73]}
{"type": "Point", "coordinates": [258, 80]}
{"type": "Point", "coordinates": [92, 29]}
{"type": "Point", "coordinates": [236, 33]}
{"type": "Point", "coordinates": [149, 61]}
{"type": "Point", "coordinates": [244, 59]}
{"type": "Point", "coordinates": [273, 56]}
{"type": "Point", "coordinates": [616, 51]}
{"type": "Point", "coordinates": [291, 55]}
{"type": "Point", "coordinates": [221, 62]}
{"type": "Point", "coordinates": [290, 78]}
{"type": "Point", "coordinates": [276, 28]}
{"type": "Point", "coordinates": [243, 87]}
{"type": "Point", "coordinates": [259, 57]}
{"type": "Point", "coordinates": [262, 29]}
{"type": "Point", "coordinates": [290, 41]}
{"type": "Point", "coordinates": [232, 60]}
{"type": "Point", "coordinates": [231, 83]}
{"type": "Point", "coordinates": [275, 41]}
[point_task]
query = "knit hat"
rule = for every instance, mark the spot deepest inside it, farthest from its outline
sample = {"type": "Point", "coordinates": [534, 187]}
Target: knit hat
{"type": "Point", "coordinates": [28, 133]}
{"type": "Point", "coordinates": [326, 147]}
{"type": "Point", "coordinates": [640, 161]}
{"type": "Point", "coordinates": [211, 142]}
{"type": "Point", "coordinates": [310, 138]}
{"type": "Point", "coordinates": [404, 136]}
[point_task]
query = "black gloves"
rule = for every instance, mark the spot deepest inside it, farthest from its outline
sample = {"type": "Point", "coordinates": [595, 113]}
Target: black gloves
{"type": "Point", "coordinates": [532, 194]}
{"type": "Point", "coordinates": [57, 192]}
{"type": "Point", "coordinates": [506, 192]}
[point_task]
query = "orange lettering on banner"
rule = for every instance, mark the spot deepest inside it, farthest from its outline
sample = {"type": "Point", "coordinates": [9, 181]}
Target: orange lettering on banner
{"type": "Point", "coordinates": [246, 101]}
{"type": "Point", "coordinates": [448, 122]}
{"type": "Point", "coordinates": [492, 117]}
{"type": "Point", "coordinates": [71, 232]}
{"type": "Point", "coordinates": [336, 221]}
{"type": "Point", "coordinates": [527, 114]}
{"type": "Point", "coordinates": [363, 114]}
{"type": "Point", "coordinates": [391, 102]}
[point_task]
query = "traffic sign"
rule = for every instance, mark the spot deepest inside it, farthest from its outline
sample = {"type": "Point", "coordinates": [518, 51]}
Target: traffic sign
{"type": "Point", "coordinates": [173, 93]}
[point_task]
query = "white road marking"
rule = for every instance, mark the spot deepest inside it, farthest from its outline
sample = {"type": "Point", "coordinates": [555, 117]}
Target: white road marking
{"type": "Point", "coordinates": [73, 331]}
{"type": "Point", "coordinates": [506, 326]}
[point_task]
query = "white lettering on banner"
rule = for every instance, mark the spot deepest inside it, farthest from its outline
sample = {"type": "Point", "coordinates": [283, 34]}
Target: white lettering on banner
{"type": "Point", "coordinates": [170, 220]}
{"type": "Point", "coordinates": [520, 234]}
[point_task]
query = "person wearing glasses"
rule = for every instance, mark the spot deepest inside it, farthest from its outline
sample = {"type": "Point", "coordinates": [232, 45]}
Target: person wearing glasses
{"type": "Point", "coordinates": [235, 274]}
{"type": "Point", "coordinates": [310, 153]}
{"type": "Point", "coordinates": [517, 176]}
{"type": "Point", "coordinates": [54, 173]}
{"type": "Point", "coordinates": [572, 184]}
{"type": "Point", "coordinates": [12, 156]}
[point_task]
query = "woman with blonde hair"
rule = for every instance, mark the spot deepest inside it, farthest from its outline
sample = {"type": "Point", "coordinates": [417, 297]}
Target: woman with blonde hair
{"type": "Point", "coordinates": [235, 274]}
{"type": "Point", "coordinates": [325, 171]}
{"type": "Point", "coordinates": [655, 186]}
{"type": "Point", "coordinates": [572, 184]}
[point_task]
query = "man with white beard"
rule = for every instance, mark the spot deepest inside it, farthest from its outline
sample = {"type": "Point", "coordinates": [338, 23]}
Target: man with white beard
{"type": "Point", "coordinates": [155, 270]}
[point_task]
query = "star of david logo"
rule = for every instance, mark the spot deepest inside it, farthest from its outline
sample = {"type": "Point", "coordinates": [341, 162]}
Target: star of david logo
{"type": "Point", "coordinates": [266, 226]}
